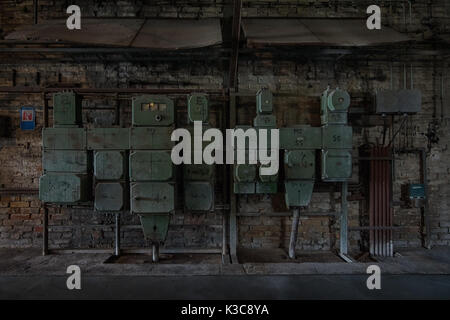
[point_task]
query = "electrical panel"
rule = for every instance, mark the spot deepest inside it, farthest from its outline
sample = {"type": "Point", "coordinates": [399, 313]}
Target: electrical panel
{"type": "Point", "coordinates": [109, 165]}
{"type": "Point", "coordinates": [334, 106]}
{"type": "Point", "coordinates": [336, 165]}
{"type": "Point", "coordinates": [198, 178]}
{"type": "Point", "coordinates": [152, 110]}
{"type": "Point", "coordinates": [301, 137]}
{"type": "Point", "coordinates": [109, 196]}
{"type": "Point", "coordinates": [151, 171]}
{"type": "Point", "coordinates": [74, 161]}
{"type": "Point", "coordinates": [398, 101]}
{"type": "Point", "coordinates": [198, 108]}
{"type": "Point", "coordinates": [64, 138]}
{"type": "Point", "coordinates": [66, 109]}
{"type": "Point", "coordinates": [298, 193]}
{"type": "Point", "coordinates": [152, 197]}
{"type": "Point", "coordinates": [150, 165]}
{"type": "Point", "coordinates": [264, 101]}
{"type": "Point", "coordinates": [300, 164]}
{"type": "Point", "coordinates": [108, 139]}
{"type": "Point", "coordinates": [64, 188]}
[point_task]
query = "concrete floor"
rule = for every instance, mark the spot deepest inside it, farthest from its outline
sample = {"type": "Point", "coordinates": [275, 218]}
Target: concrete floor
{"type": "Point", "coordinates": [262, 274]}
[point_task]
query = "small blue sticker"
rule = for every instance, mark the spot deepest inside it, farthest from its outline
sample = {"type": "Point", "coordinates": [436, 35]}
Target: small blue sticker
{"type": "Point", "coordinates": [27, 118]}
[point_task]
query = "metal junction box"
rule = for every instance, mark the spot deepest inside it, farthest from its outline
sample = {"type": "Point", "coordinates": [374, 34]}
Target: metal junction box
{"type": "Point", "coordinates": [74, 161]}
{"type": "Point", "coordinates": [150, 166]}
{"type": "Point", "coordinates": [108, 139]}
{"type": "Point", "coordinates": [109, 196]}
{"type": "Point", "coordinates": [298, 193]}
{"type": "Point", "coordinates": [152, 197]}
{"type": "Point", "coordinates": [245, 172]}
{"type": "Point", "coordinates": [336, 165]}
{"type": "Point", "coordinates": [264, 101]}
{"type": "Point", "coordinates": [198, 172]}
{"type": "Point", "coordinates": [199, 196]}
{"type": "Point", "coordinates": [265, 120]}
{"type": "Point", "coordinates": [301, 137]}
{"type": "Point", "coordinates": [155, 138]}
{"type": "Point", "coordinates": [109, 165]}
{"type": "Point", "coordinates": [64, 138]}
{"type": "Point", "coordinates": [155, 226]}
{"type": "Point", "coordinates": [152, 110]}
{"type": "Point", "coordinates": [398, 101]}
{"type": "Point", "coordinates": [337, 137]}
{"type": "Point", "coordinates": [198, 108]}
{"type": "Point", "coordinates": [334, 107]}
{"type": "Point", "coordinates": [66, 109]}
{"type": "Point", "coordinates": [300, 164]}
{"type": "Point", "coordinates": [64, 188]}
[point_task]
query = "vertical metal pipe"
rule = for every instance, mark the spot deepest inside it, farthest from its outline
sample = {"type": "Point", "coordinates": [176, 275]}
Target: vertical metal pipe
{"type": "Point", "coordinates": [294, 232]}
{"type": "Point", "coordinates": [426, 217]}
{"type": "Point", "coordinates": [344, 219]}
{"type": "Point", "coordinates": [45, 232]}
{"type": "Point", "coordinates": [117, 236]}
{"type": "Point", "coordinates": [371, 205]}
{"type": "Point", "coordinates": [35, 10]}
{"type": "Point", "coordinates": [224, 233]}
{"type": "Point", "coordinates": [155, 252]}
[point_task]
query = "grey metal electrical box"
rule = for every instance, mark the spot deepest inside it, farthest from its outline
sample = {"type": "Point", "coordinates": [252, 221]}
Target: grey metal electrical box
{"type": "Point", "coordinates": [109, 196]}
{"type": "Point", "coordinates": [64, 138]}
{"type": "Point", "coordinates": [109, 165]}
{"type": "Point", "coordinates": [150, 166]}
{"type": "Point", "coordinates": [152, 197]}
{"type": "Point", "coordinates": [108, 139]}
{"type": "Point", "coordinates": [74, 161]}
{"type": "Point", "coordinates": [66, 109]}
{"type": "Point", "coordinates": [152, 110]}
{"type": "Point", "coordinates": [153, 138]}
{"type": "Point", "coordinates": [64, 188]}
{"type": "Point", "coordinates": [199, 196]}
{"type": "Point", "coordinates": [398, 101]}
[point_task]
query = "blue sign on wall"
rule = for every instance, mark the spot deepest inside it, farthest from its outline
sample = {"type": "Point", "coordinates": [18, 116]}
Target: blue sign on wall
{"type": "Point", "coordinates": [27, 118]}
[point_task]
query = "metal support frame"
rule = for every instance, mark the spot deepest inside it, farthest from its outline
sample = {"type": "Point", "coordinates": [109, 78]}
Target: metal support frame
{"type": "Point", "coordinates": [235, 36]}
{"type": "Point", "coordinates": [117, 235]}
{"type": "Point", "coordinates": [294, 232]}
{"type": "Point", "coordinates": [233, 202]}
{"type": "Point", "coordinates": [343, 239]}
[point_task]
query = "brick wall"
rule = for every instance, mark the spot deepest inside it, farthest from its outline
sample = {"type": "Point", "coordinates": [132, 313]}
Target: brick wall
{"type": "Point", "coordinates": [297, 85]}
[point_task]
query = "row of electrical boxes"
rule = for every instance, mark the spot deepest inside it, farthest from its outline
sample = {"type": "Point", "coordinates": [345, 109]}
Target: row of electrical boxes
{"type": "Point", "coordinates": [303, 146]}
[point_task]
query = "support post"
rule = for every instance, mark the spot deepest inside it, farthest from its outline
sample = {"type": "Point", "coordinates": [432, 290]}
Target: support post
{"type": "Point", "coordinates": [155, 252]}
{"type": "Point", "coordinates": [45, 232]}
{"type": "Point", "coordinates": [233, 208]}
{"type": "Point", "coordinates": [343, 249]}
{"type": "Point", "coordinates": [294, 232]}
{"type": "Point", "coordinates": [117, 235]}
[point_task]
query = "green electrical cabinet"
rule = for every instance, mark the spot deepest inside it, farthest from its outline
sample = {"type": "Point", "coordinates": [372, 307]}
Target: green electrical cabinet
{"type": "Point", "coordinates": [66, 109]}
{"type": "Point", "coordinates": [64, 188]}
{"type": "Point", "coordinates": [334, 106]}
{"type": "Point", "coordinates": [337, 137]}
{"type": "Point", "coordinates": [298, 193]}
{"type": "Point", "coordinates": [73, 161]}
{"type": "Point", "coordinates": [151, 138]}
{"type": "Point", "coordinates": [301, 137]}
{"type": "Point", "coordinates": [109, 165]}
{"type": "Point", "coordinates": [198, 172]}
{"type": "Point", "coordinates": [336, 165]}
{"type": "Point", "coordinates": [265, 120]}
{"type": "Point", "coordinates": [199, 196]}
{"type": "Point", "coordinates": [152, 197]}
{"type": "Point", "coordinates": [155, 226]}
{"type": "Point", "coordinates": [150, 166]}
{"type": "Point", "coordinates": [300, 164]}
{"type": "Point", "coordinates": [108, 139]}
{"type": "Point", "coordinates": [152, 110]}
{"type": "Point", "coordinates": [109, 196]}
{"type": "Point", "coordinates": [198, 108]}
{"type": "Point", "coordinates": [264, 101]}
{"type": "Point", "coordinates": [64, 138]}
